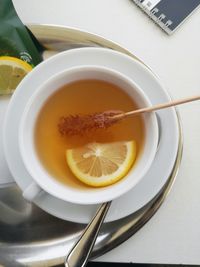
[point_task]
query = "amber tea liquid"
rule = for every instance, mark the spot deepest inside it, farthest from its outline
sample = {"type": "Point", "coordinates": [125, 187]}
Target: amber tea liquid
{"type": "Point", "coordinates": [82, 97]}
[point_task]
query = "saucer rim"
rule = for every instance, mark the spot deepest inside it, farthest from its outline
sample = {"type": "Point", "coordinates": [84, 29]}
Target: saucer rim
{"type": "Point", "coordinates": [66, 52]}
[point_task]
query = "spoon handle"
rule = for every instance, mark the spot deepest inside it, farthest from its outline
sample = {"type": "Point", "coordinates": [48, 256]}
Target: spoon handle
{"type": "Point", "coordinates": [80, 253]}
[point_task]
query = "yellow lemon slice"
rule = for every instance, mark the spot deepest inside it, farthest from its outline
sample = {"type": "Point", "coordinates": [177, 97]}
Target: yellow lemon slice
{"type": "Point", "coordinates": [101, 164]}
{"type": "Point", "coordinates": [12, 71]}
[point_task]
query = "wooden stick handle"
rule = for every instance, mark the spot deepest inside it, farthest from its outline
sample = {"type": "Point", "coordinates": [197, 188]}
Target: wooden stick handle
{"type": "Point", "coordinates": [157, 107]}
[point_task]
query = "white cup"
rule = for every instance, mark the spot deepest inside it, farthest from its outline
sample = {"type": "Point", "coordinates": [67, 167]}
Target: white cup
{"type": "Point", "coordinates": [42, 180]}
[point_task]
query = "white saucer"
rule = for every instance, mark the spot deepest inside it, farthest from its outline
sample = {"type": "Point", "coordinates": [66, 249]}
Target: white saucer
{"type": "Point", "coordinates": [161, 168]}
{"type": "Point", "coordinates": [6, 177]}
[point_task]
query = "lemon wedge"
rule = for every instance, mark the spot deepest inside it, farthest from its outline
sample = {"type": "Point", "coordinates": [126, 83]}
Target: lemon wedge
{"type": "Point", "coordinates": [12, 71]}
{"type": "Point", "coordinates": [101, 164]}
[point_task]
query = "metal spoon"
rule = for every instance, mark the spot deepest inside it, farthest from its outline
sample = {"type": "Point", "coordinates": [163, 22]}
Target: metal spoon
{"type": "Point", "coordinates": [81, 251]}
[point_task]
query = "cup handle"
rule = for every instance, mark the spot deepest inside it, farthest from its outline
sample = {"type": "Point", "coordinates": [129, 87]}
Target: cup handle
{"type": "Point", "coordinates": [31, 191]}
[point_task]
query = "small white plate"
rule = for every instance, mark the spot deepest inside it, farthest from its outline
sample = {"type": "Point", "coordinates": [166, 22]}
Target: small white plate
{"type": "Point", "coordinates": [6, 177]}
{"type": "Point", "coordinates": [164, 161]}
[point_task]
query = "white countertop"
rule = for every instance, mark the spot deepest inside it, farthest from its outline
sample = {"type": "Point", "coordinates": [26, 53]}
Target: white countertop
{"type": "Point", "coordinates": [173, 234]}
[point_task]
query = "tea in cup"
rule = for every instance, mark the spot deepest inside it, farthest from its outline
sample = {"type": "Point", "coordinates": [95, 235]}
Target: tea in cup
{"type": "Point", "coordinates": [96, 166]}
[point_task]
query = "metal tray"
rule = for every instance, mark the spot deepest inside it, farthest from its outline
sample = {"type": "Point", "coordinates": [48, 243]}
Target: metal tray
{"type": "Point", "coordinates": [31, 237]}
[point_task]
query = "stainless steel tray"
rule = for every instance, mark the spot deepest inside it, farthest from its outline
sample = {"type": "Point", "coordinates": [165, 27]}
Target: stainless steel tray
{"type": "Point", "coordinates": [31, 237]}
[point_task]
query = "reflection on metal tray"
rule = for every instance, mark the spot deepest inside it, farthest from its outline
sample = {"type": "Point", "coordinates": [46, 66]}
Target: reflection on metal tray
{"type": "Point", "coordinates": [31, 237]}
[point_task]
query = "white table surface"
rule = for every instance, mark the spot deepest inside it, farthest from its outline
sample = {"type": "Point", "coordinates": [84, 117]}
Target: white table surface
{"type": "Point", "coordinates": [173, 234]}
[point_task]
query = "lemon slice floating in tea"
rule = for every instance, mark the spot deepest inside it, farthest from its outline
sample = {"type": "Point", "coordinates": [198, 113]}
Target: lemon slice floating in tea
{"type": "Point", "coordinates": [101, 164]}
{"type": "Point", "coordinates": [12, 71]}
